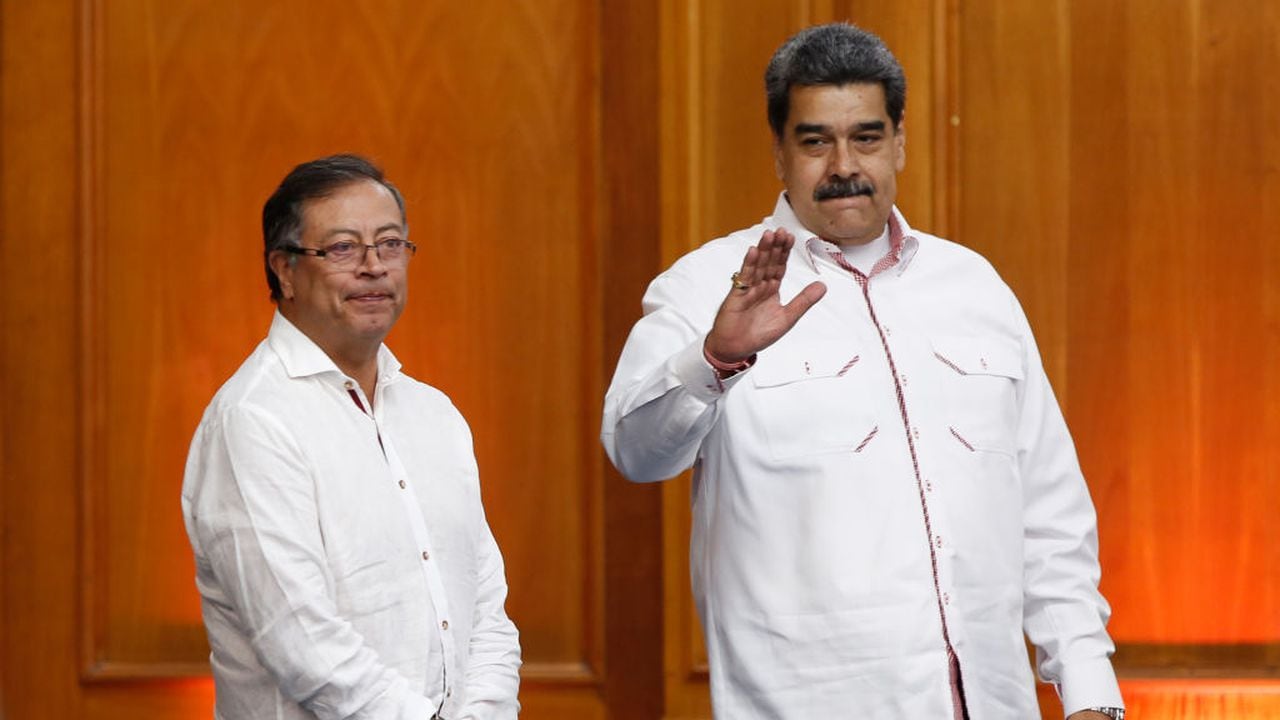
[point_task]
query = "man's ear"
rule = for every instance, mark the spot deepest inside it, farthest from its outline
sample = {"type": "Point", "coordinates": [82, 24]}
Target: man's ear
{"type": "Point", "coordinates": [777, 157]}
{"type": "Point", "coordinates": [900, 144]}
{"type": "Point", "coordinates": [282, 265]}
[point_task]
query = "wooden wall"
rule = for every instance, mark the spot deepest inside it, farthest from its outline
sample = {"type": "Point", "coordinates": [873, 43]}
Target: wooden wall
{"type": "Point", "coordinates": [1116, 161]}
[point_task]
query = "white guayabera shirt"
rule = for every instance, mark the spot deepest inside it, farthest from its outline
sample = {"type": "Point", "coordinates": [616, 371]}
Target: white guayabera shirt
{"type": "Point", "coordinates": [892, 482]}
{"type": "Point", "coordinates": [343, 559]}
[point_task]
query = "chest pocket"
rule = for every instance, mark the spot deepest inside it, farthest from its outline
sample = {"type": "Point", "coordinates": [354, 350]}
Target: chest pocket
{"type": "Point", "coordinates": [980, 380]}
{"type": "Point", "coordinates": [806, 400]}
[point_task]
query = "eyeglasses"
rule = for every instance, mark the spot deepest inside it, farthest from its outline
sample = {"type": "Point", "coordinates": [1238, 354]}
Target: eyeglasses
{"type": "Point", "coordinates": [347, 255]}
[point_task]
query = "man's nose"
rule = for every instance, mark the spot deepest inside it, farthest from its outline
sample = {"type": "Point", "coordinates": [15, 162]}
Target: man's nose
{"type": "Point", "coordinates": [372, 263]}
{"type": "Point", "coordinates": [844, 163]}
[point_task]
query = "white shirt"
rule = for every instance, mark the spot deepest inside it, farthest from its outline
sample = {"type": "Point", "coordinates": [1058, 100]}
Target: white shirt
{"type": "Point", "coordinates": [343, 559]}
{"type": "Point", "coordinates": [841, 538]}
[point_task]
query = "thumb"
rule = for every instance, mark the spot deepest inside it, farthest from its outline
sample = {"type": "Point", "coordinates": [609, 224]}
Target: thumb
{"type": "Point", "coordinates": [800, 304]}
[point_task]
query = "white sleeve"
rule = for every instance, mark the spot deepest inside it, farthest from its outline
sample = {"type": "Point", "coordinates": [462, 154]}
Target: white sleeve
{"type": "Point", "coordinates": [663, 398]}
{"type": "Point", "coordinates": [1065, 616]}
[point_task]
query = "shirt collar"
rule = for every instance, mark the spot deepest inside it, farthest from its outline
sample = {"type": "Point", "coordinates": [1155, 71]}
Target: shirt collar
{"type": "Point", "coordinates": [903, 241]}
{"type": "Point", "coordinates": [301, 357]}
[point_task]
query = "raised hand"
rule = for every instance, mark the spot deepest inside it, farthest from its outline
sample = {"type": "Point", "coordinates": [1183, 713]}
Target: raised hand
{"type": "Point", "coordinates": [752, 316]}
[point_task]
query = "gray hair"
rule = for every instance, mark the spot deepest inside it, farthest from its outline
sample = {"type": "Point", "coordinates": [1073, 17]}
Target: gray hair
{"type": "Point", "coordinates": [834, 54]}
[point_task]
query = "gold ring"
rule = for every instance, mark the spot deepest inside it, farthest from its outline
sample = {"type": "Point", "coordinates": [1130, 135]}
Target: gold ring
{"type": "Point", "coordinates": [738, 284]}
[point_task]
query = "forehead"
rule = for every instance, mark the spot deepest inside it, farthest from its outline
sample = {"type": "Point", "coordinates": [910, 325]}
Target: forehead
{"type": "Point", "coordinates": [356, 205]}
{"type": "Point", "coordinates": [837, 105]}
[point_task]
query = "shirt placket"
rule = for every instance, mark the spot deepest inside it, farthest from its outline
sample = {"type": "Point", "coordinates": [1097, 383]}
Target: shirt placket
{"type": "Point", "coordinates": [428, 563]}
{"type": "Point", "coordinates": [940, 551]}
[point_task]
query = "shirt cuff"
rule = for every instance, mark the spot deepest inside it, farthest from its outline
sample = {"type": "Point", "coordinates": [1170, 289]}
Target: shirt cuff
{"type": "Point", "coordinates": [1089, 684]}
{"type": "Point", "coordinates": [699, 377]}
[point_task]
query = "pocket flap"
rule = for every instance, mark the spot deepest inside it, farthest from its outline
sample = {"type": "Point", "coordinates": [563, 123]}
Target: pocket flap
{"type": "Point", "coordinates": [785, 365]}
{"type": "Point", "coordinates": [980, 355]}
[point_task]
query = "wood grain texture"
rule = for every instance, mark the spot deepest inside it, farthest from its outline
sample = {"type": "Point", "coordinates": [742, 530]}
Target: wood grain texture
{"type": "Point", "coordinates": [1173, 340]}
{"type": "Point", "coordinates": [38, 317]}
{"type": "Point", "coordinates": [1012, 113]}
{"type": "Point", "coordinates": [629, 258]}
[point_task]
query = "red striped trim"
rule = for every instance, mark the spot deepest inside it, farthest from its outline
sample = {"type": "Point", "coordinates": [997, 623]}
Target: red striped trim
{"type": "Point", "coordinates": [848, 365]}
{"type": "Point", "coordinates": [963, 442]}
{"type": "Point", "coordinates": [888, 261]}
{"type": "Point", "coordinates": [867, 439]}
{"type": "Point", "coordinates": [949, 364]}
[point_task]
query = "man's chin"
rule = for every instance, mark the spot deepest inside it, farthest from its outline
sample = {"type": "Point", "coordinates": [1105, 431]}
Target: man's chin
{"type": "Point", "coordinates": [841, 230]}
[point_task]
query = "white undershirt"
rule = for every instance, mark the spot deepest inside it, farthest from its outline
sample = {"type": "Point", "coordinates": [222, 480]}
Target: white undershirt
{"type": "Point", "coordinates": [864, 256]}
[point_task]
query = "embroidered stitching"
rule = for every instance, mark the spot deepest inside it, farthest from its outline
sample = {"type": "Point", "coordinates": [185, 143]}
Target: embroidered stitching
{"type": "Point", "coordinates": [845, 369]}
{"type": "Point", "coordinates": [867, 439]}
{"type": "Point", "coordinates": [966, 443]}
{"type": "Point", "coordinates": [948, 363]}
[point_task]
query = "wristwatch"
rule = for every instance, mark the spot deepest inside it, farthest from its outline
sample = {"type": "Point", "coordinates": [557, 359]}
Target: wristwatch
{"type": "Point", "coordinates": [1111, 712]}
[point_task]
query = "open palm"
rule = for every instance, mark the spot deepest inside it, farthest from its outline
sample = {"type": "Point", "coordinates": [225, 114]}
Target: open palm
{"type": "Point", "coordinates": [752, 316]}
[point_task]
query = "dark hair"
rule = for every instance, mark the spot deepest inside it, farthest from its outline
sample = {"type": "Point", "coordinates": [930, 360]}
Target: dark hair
{"type": "Point", "coordinates": [282, 213]}
{"type": "Point", "coordinates": [834, 54]}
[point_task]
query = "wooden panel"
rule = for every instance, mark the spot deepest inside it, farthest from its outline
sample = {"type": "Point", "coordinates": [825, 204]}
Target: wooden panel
{"type": "Point", "coordinates": [629, 258]}
{"type": "Point", "coordinates": [1013, 109]}
{"type": "Point", "coordinates": [1187, 487]}
{"type": "Point", "coordinates": [38, 316]}
{"type": "Point", "coordinates": [1202, 700]}
{"type": "Point", "coordinates": [1124, 159]}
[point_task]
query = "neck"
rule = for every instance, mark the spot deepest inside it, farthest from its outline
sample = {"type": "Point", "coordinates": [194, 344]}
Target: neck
{"type": "Point", "coordinates": [356, 357]}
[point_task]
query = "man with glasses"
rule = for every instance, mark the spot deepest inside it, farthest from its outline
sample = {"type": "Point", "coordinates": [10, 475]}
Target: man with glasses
{"type": "Point", "coordinates": [343, 559]}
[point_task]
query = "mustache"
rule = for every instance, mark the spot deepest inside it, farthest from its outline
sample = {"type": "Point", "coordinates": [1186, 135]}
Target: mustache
{"type": "Point", "coordinates": [843, 188]}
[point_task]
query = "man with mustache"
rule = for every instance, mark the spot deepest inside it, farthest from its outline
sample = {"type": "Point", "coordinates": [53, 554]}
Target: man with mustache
{"type": "Point", "coordinates": [343, 559]}
{"type": "Point", "coordinates": [885, 495]}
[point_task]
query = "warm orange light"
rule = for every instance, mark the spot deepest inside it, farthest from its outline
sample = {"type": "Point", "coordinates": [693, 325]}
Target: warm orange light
{"type": "Point", "coordinates": [1202, 699]}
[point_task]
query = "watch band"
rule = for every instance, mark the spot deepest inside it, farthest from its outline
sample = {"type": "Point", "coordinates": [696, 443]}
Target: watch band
{"type": "Point", "coordinates": [1112, 712]}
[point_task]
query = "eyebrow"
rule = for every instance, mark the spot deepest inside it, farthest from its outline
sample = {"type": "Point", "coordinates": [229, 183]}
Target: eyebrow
{"type": "Point", "coordinates": [808, 128]}
{"type": "Point", "coordinates": [348, 231]}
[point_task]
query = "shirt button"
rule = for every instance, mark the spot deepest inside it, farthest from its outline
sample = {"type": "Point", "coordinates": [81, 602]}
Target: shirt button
{"type": "Point", "coordinates": [402, 485]}
{"type": "Point", "coordinates": [937, 540]}
{"type": "Point", "coordinates": [915, 433]}
{"type": "Point", "coordinates": [904, 379]}
{"type": "Point", "coordinates": [426, 555]}
{"type": "Point", "coordinates": [348, 385]}
{"type": "Point", "coordinates": [946, 598]}
{"type": "Point", "coordinates": [928, 485]}
{"type": "Point", "coordinates": [444, 624]}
